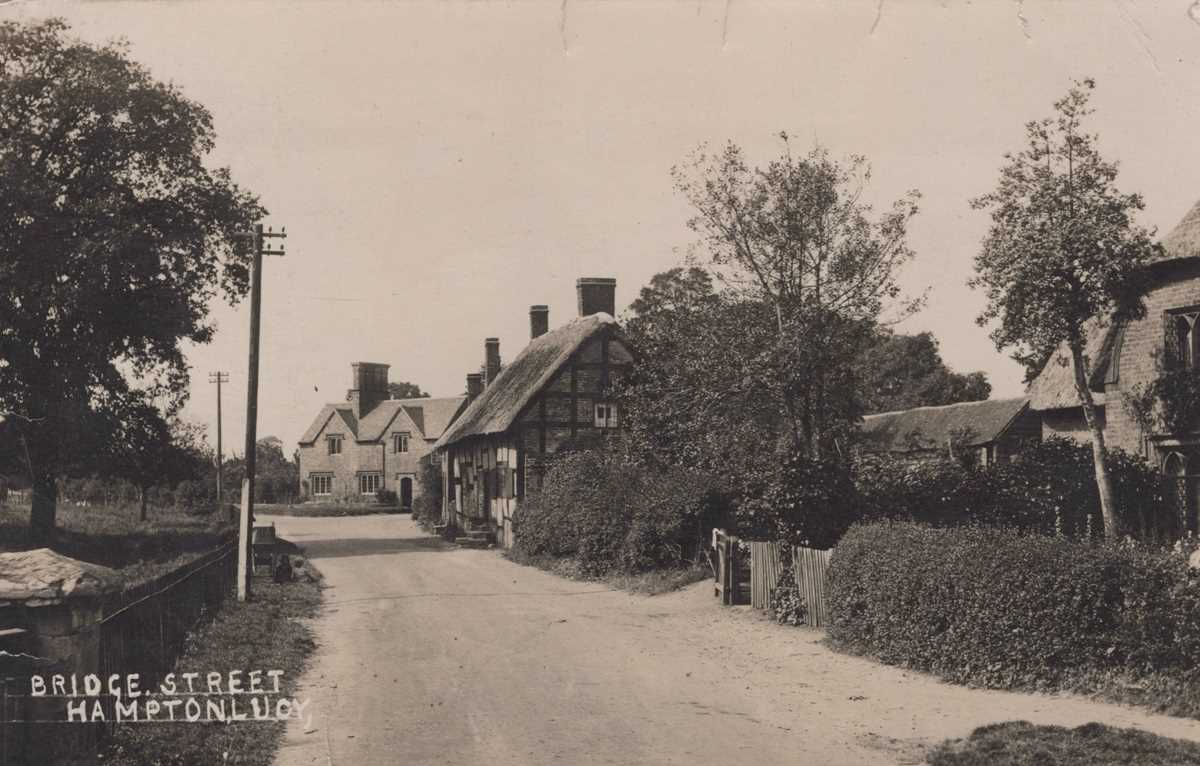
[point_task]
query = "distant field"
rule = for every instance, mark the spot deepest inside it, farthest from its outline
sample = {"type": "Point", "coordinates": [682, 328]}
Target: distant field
{"type": "Point", "coordinates": [315, 509]}
{"type": "Point", "coordinates": [114, 536]}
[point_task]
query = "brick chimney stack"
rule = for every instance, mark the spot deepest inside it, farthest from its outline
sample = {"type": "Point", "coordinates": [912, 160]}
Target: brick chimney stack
{"type": "Point", "coordinates": [491, 355]}
{"type": "Point", "coordinates": [539, 321]}
{"type": "Point", "coordinates": [596, 294]}
{"type": "Point", "coordinates": [370, 381]}
{"type": "Point", "coordinates": [474, 386]}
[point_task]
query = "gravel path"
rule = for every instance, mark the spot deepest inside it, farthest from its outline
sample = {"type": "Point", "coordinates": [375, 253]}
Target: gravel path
{"type": "Point", "coordinates": [430, 654]}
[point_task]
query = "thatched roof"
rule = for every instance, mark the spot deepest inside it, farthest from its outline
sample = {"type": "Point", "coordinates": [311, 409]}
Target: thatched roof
{"type": "Point", "coordinates": [969, 424]}
{"type": "Point", "coordinates": [1054, 386]}
{"type": "Point", "coordinates": [495, 410]}
{"type": "Point", "coordinates": [1183, 241]}
{"type": "Point", "coordinates": [430, 416]}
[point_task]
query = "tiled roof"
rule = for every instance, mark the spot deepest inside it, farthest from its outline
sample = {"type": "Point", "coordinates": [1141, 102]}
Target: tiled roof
{"type": "Point", "coordinates": [431, 416]}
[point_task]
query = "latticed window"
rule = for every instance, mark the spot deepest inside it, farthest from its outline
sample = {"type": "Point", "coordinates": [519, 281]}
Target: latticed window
{"type": "Point", "coordinates": [334, 444]}
{"type": "Point", "coordinates": [369, 483]}
{"type": "Point", "coordinates": [606, 415]}
{"type": "Point", "coordinates": [1183, 338]}
{"type": "Point", "coordinates": [322, 484]}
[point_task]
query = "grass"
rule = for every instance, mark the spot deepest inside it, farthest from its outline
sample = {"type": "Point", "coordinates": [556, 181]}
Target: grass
{"type": "Point", "coordinates": [115, 536]}
{"type": "Point", "coordinates": [318, 509]}
{"type": "Point", "coordinates": [650, 583]}
{"type": "Point", "coordinates": [1017, 743]}
{"type": "Point", "coordinates": [268, 632]}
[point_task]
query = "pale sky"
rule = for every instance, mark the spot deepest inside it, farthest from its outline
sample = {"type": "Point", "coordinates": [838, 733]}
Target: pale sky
{"type": "Point", "coordinates": [442, 166]}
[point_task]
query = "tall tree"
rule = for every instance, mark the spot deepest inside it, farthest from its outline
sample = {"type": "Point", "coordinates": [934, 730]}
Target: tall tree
{"type": "Point", "coordinates": [900, 371]}
{"type": "Point", "coordinates": [402, 389]}
{"type": "Point", "coordinates": [795, 237]}
{"type": "Point", "coordinates": [1063, 249]}
{"type": "Point", "coordinates": [114, 238]}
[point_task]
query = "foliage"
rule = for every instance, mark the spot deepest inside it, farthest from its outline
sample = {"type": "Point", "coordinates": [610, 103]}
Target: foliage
{"type": "Point", "coordinates": [1063, 249]}
{"type": "Point", "coordinates": [115, 239]}
{"type": "Point", "coordinates": [387, 498]}
{"type": "Point", "coordinates": [1002, 608]}
{"type": "Point", "coordinates": [1016, 743]}
{"type": "Point", "coordinates": [276, 478]}
{"type": "Point", "coordinates": [1169, 403]}
{"type": "Point", "coordinates": [799, 500]}
{"type": "Point", "coordinates": [787, 606]}
{"type": "Point", "coordinates": [402, 389]}
{"type": "Point", "coordinates": [899, 372]}
{"type": "Point", "coordinates": [427, 505]}
{"type": "Point", "coordinates": [793, 240]}
{"type": "Point", "coordinates": [612, 514]}
{"type": "Point", "coordinates": [1047, 488]}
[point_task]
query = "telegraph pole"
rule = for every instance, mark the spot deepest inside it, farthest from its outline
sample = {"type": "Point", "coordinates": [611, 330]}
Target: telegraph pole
{"type": "Point", "coordinates": [219, 378]}
{"type": "Point", "coordinates": [245, 553]}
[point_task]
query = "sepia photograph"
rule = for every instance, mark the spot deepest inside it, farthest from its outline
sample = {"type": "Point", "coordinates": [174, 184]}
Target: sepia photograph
{"type": "Point", "coordinates": [581, 382]}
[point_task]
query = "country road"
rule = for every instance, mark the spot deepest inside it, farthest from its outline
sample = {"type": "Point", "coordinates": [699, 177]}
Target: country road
{"type": "Point", "coordinates": [429, 654]}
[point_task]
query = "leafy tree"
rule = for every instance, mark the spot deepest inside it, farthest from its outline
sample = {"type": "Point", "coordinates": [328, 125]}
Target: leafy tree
{"type": "Point", "coordinates": [276, 478]}
{"type": "Point", "coordinates": [402, 389]}
{"type": "Point", "coordinates": [115, 237]}
{"type": "Point", "coordinates": [900, 372]}
{"type": "Point", "coordinates": [149, 451]}
{"type": "Point", "coordinates": [1063, 249]}
{"type": "Point", "coordinates": [794, 239]}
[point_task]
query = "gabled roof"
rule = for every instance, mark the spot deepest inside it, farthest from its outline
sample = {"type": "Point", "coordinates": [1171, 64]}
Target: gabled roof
{"type": "Point", "coordinates": [430, 416]}
{"type": "Point", "coordinates": [1183, 241]}
{"type": "Point", "coordinates": [495, 410]}
{"type": "Point", "coordinates": [925, 428]}
{"type": "Point", "coordinates": [1054, 386]}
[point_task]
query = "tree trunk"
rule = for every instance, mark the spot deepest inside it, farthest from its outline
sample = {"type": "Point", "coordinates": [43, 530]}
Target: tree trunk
{"type": "Point", "coordinates": [1108, 509]}
{"type": "Point", "coordinates": [43, 508]}
{"type": "Point", "coordinates": [143, 502]}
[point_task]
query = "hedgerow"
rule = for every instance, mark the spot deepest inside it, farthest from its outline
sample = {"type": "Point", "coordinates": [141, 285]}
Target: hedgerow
{"type": "Point", "coordinates": [1009, 609]}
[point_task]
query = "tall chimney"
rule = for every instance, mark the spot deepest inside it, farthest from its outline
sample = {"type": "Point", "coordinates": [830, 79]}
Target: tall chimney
{"type": "Point", "coordinates": [370, 382]}
{"type": "Point", "coordinates": [539, 321]}
{"type": "Point", "coordinates": [474, 386]}
{"type": "Point", "coordinates": [491, 355]}
{"type": "Point", "coordinates": [596, 294]}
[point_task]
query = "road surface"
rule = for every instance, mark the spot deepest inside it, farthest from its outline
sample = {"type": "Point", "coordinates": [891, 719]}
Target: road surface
{"type": "Point", "coordinates": [430, 654]}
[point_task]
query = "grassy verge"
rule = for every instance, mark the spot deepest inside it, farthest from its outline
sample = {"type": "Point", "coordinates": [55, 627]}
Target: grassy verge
{"type": "Point", "coordinates": [265, 633]}
{"type": "Point", "coordinates": [644, 583]}
{"type": "Point", "coordinates": [116, 537]}
{"type": "Point", "coordinates": [1020, 742]}
{"type": "Point", "coordinates": [316, 509]}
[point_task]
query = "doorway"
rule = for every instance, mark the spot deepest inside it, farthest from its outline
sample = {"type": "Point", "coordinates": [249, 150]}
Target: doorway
{"type": "Point", "coordinates": [406, 494]}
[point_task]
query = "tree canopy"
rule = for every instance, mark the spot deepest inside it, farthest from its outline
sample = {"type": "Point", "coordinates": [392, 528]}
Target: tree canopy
{"type": "Point", "coordinates": [1063, 249]}
{"type": "Point", "coordinates": [115, 238]}
{"type": "Point", "coordinates": [402, 389]}
{"type": "Point", "coordinates": [899, 372]}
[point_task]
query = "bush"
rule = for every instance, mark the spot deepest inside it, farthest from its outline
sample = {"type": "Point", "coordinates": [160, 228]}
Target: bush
{"type": "Point", "coordinates": [1008, 609]}
{"type": "Point", "coordinates": [613, 514]}
{"type": "Point", "coordinates": [787, 606]}
{"type": "Point", "coordinates": [387, 498]}
{"type": "Point", "coordinates": [798, 500]}
{"type": "Point", "coordinates": [427, 505]}
{"type": "Point", "coordinates": [1049, 487]}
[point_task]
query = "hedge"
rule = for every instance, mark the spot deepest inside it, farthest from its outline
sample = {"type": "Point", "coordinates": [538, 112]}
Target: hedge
{"type": "Point", "coordinates": [1009, 609]}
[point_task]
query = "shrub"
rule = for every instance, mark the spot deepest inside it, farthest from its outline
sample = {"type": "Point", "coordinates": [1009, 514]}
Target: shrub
{"type": "Point", "coordinates": [1049, 487]}
{"type": "Point", "coordinates": [387, 498]}
{"type": "Point", "coordinates": [1003, 608]}
{"type": "Point", "coordinates": [427, 505]}
{"type": "Point", "coordinates": [612, 514]}
{"type": "Point", "coordinates": [787, 606]}
{"type": "Point", "coordinates": [799, 500]}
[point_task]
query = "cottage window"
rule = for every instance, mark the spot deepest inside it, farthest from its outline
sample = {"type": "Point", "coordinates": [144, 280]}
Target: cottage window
{"type": "Point", "coordinates": [334, 444]}
{"type": "Point", "coordinates": [369, 483]}
{"type": "Point", "coordinates": [606, 415]}
{"type": "Point", "coordinates": [399, 443]}
{"type": "Point", "coordinates": [321, 483]}
{"type": "Point", "coordinates": [1183, 336]}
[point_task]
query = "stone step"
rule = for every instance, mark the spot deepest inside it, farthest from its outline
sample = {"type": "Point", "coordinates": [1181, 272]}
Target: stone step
{"type": "Point", "coordinates": [473, 542]}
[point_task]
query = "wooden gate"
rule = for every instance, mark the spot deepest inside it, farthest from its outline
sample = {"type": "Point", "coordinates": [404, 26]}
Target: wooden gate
{"type": "Point", "coordinates": [732, 570]}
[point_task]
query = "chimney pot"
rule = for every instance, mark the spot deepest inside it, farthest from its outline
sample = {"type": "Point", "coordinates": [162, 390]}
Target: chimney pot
{"type": "Point", "coordinates": [539, 321]}
{"type": "Point", "coordinates": [596, 295]}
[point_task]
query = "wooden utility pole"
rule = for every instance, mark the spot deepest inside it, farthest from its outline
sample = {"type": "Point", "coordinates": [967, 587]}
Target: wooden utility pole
{"type": "Point", "coordinates": [246, 522]}
{"type": "Point", "coordinates": [219, 378]}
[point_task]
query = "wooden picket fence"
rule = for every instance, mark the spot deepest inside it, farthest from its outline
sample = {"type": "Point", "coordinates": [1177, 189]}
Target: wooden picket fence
{"type": "Point", "coordinates": [767, 561]}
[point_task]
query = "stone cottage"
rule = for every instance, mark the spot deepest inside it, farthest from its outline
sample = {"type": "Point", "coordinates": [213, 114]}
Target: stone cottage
{"type": "Point", "coordinates": [1127, 358]}
{"type": "Point", "coordinates": [988, 432]}
{"type": "Point", "coordinates": [369, 443]}
{"type": "Point", "coordinates": [554, 393]}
